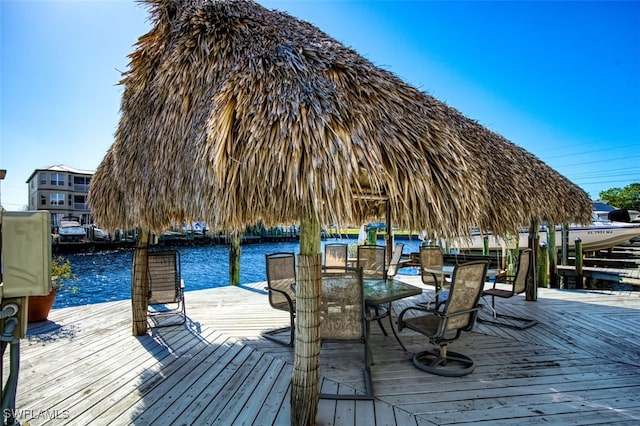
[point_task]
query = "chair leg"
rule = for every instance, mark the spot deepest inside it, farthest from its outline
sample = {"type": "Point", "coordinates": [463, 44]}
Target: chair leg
{"type": "Point", "coordinates": [378, 317]}
{"type": "Point", "coordinates": [518, 323]}
{"type": "Point", "coordinates": [491, 306]}
{"type": "Point", "coordinates": [274, 334]}
{"type": "Point", "coordinates": [384, 331]}
{"type": "Point", "coordinates": [511, 321]}
{"type": "Point", "coordinates": [432, 302]}
{"type": "Point", "coordinates": [184, 312]}
{"type": "Point", "coordinates": [368, 383]}
{"type": "Point", "coordinates": [155, 318]}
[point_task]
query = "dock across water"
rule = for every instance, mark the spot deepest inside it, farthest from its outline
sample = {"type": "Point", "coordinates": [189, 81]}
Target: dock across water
{"type": "Point", "coordinates": [619, 265]}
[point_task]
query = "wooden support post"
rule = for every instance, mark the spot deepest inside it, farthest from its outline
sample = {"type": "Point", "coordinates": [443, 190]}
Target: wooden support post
{"type": "Point", "coordinates": [579, 263]}
{"type": "Point", "coordinates": [389, 234]}
{"type": "Point", "coordinates": [306, 362]}
{"type": "Point", "coordinates": [140, 285]}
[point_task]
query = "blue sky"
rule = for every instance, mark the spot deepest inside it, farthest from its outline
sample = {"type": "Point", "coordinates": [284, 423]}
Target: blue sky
{"type": "Point", "coordinates": [560, 79]}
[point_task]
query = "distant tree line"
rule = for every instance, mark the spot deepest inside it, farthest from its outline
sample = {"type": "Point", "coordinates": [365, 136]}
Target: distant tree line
{"type": "Point", "coordinates": [623, 198]}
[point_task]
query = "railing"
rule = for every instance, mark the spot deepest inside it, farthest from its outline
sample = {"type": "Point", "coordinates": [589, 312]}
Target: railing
{"type": "Point", "coordinates": [8, 402]}
{"type": "Point", "coordinates": [80, 206]}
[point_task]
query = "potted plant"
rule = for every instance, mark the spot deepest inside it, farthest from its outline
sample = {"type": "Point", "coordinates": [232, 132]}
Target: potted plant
{"type": "Point", "coordinates": [61, 274]}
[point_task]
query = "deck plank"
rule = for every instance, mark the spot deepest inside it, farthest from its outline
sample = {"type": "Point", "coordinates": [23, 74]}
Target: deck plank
{"type": "Point", "coordinates": [578, 365]}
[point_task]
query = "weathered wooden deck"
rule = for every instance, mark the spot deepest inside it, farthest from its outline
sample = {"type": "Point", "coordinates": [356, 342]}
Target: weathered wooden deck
{"type": "Point", "coordinates": [579, 365]}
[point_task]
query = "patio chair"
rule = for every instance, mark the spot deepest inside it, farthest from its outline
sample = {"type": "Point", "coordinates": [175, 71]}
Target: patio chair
{"type": "Point", "coordinates": [166, 289]}
{"type": "Point", "coordinates": [372, 260]}
{"type": "Point", "coordinates": [281, 280]}
{"type": "Point", "coordinates": [335, 255]}
{"type": "Point", "coordinates": [343, 318]}
{"type": "Point", "coordinates": [392, 270]}
{"type": "Point", "coordinates": [445, 323]}
{"type": "Point", "coordinates": [432, 256]}
{"type": "Point", "coordinates": [518, 285]}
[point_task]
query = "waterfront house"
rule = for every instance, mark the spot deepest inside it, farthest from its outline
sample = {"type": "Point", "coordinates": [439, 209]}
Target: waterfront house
{"type": "Point", "coordinates": [63, 191]}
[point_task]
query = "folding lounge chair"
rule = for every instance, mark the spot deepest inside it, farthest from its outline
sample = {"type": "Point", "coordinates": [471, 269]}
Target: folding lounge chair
{"type": "Point", "coordinates": [281, 280]}
{"type": "Point", "coordinates": [518, 285]}
{"type": "Point", "coordinates": [392, 270]}
{"type": "Point", "coordinates": [445, 323]}
{"type": "Point", "coordinates": [166, 289]}
{"type": "Point", "coordinates": [343, 318]}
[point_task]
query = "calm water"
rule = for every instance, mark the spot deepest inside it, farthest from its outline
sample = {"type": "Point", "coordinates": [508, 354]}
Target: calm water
{"type": "Point", "coordinates": [106, 276]}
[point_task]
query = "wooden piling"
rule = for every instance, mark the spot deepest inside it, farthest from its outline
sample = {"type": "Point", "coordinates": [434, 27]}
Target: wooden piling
{"type": "Point", "coordinates": [235, 250]}
{"type": "Point", "coordinates": [534, 237]}
{"type": "Point", "coordinates": [565, 251]}
{"type": "Point", "coordinates": [543, 266]}
{"type": "Point", "coordinates": [552, 256]}
{"type": "Point", "coordinates": [579, 263]}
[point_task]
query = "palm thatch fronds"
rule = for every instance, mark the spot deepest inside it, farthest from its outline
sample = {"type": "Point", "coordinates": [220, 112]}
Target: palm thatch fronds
{"type": "Point", "coordinates": [236, 114]}
{"type": "Point", "coordinates": [517, 180]}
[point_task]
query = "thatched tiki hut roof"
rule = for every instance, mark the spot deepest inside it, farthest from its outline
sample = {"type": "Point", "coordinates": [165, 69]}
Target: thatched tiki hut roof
{"type": "Point", "coordinates": [235, 114]}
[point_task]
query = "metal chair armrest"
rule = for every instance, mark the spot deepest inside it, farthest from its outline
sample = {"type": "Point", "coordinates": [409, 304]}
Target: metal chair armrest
{"type": "Point", "coordinates": [285, 294]}
{"type": "Point", "coordinates": [466, 311]}
{"type": "Point", "coordinates": [503, 279]}
{"type": "Point", "coordinates": [413, 308]}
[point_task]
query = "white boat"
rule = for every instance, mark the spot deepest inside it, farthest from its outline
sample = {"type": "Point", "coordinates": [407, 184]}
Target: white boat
{"type": "Point", "coordinates": [100, 234]}
{"type": "Point", "coordinates": [604, 212]}
{"type": "Point", "coordinates": [597, 236]}
{"type": "Point", "coordinates": [70, 230]}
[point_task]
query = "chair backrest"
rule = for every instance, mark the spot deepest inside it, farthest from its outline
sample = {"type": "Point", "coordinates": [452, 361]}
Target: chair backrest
{"type": "Point", "coordinates": [343, 311]}
{"type": "Point", "coordinates": [522, 273]}
{"type": "Point", "coordinates": [372, 260]}
{"type": "Point", "coordinates": [335, 255]}
{"type": "Point", "coordinates": [395, 260]}
{"type": "Point", "coordinates": [430, 256]}
{"type": "Point", "coordinates": [466, 288]}
{"type": "Point", "coordinates": [344, 317]}
{"type": "Point", "coordinates": [281, 275]}
{"type": "Point", "coordinates": [164, 277]}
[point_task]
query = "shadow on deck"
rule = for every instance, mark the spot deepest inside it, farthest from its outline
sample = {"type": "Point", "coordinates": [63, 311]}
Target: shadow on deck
{"type": "Point", "coordinates": [579, 365]}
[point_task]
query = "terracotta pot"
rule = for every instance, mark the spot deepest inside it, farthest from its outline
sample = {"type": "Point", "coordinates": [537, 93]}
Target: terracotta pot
{"type": "Point", "coordinates": [39, 306]}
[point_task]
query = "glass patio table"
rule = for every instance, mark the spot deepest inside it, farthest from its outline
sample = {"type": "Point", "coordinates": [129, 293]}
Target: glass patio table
{"type": "Point", "coordinates": [447, 271]}
{"type": "Point", "coordinates": [378, 291]}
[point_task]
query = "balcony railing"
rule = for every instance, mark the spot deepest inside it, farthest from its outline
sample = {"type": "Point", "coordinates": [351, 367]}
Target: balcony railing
{"type": "Point", "coordinates": [80, 206]}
